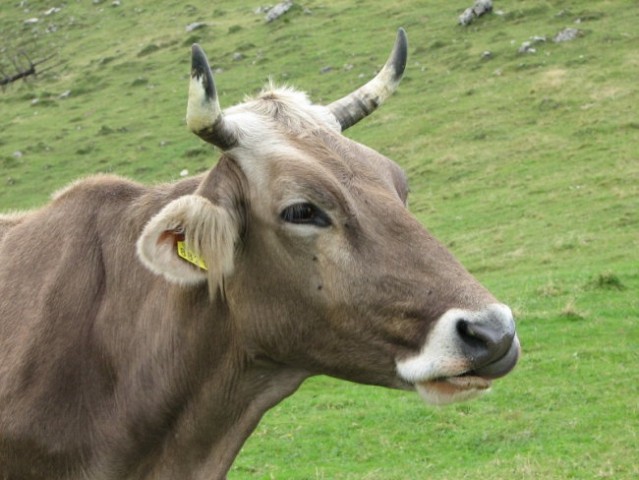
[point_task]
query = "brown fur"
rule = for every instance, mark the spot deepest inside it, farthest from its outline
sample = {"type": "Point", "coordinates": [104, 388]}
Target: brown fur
{"type": "Point", "coordinates": [108, 371]}
{"type": "Point", "coordinates": [10, 220]}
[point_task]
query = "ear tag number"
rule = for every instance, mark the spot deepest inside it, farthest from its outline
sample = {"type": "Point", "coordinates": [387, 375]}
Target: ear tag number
{"type": "Point", "coordinates": [190, 256]}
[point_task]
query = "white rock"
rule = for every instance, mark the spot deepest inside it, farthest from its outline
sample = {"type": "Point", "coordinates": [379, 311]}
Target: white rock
{"type": "Point", "coordinates": [195, 26]}
{"type": "Point", "coordinates": [566, 35]}
{"type": "Point", "coordinates": [466, 17]}
{"type": "Point", "coordinates": [278, 10]}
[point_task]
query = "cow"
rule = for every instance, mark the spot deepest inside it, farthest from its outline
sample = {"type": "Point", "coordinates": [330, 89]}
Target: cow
{"type": "Point", "coordinates": [145, 330]}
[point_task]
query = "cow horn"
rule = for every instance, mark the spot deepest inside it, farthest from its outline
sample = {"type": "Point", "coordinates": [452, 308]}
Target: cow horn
{"type": "Point", "coordinates": [362, 102]}
{"type": "Point", "coordinates": [203, 113]}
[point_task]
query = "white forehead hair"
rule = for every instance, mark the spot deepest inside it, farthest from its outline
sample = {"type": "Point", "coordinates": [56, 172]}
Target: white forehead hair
{"type": "Point", "coordinates": [264, 125]}
{"type": "Point", "coordinates": [281, 108]}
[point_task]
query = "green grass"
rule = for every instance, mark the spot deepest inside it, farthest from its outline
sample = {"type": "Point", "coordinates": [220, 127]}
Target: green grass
{"type": "Point", "coordinates": [526, 166]}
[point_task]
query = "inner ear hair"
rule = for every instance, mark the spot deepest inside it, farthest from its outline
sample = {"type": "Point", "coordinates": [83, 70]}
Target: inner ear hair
{"type": "Point", "coordinates": [209, 233]}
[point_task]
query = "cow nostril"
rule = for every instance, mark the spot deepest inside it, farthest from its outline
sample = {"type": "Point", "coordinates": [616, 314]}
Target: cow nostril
{"type": "Point", "coordinates": [483, 341]}
{"type": "Point", "coordinates": [469, 335]}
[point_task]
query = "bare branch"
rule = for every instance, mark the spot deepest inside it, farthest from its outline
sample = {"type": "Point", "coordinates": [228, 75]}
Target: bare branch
{"type": "Point", "coordinates": [23, 73]}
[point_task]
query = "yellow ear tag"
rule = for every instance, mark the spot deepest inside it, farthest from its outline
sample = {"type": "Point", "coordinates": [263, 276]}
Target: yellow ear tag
{"type": "Point", "coordinates": [190, 256]}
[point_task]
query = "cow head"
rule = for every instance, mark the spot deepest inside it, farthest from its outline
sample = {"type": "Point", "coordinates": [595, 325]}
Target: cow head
{"type": "Point", "coordinates": [306, 236]}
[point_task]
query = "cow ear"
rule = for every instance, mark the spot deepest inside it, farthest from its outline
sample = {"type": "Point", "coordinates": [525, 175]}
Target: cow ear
{"type": "Point", "coordinates": [189, 241]}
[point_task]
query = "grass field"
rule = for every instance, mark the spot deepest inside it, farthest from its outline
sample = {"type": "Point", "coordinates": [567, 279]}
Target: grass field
{"type": "Point", "coordinates": [525, 165]}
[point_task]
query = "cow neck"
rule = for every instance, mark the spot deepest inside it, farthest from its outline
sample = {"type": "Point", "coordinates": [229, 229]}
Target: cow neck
{"type": "Point", "coordinates": [257, 390]}
{"type": "Point", "coordinates": [228, 395]}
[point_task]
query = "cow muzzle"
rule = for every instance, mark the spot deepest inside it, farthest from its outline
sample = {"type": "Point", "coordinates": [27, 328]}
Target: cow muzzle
{"type": "Point", "coordinates": [463, 354]}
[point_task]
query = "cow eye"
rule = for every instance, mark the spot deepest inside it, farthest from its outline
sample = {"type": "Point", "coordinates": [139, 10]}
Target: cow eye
{"type": "Point", "coordinates": [305, 213]}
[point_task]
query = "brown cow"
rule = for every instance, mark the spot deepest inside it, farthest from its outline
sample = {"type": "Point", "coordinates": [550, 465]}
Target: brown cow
{"type": "Point", "coordinates": [144, 331]}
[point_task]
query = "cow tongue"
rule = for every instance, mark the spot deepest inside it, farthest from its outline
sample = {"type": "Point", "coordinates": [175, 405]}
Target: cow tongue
{"type": "Point", "coordinates": [454, 384]}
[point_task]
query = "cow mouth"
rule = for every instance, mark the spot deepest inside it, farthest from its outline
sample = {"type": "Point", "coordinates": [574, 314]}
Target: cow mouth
{"type": "Point", "coordinates": [441, 378]}
{"type": "Point", "coordinates": [474, 380]}
{"type": "Point", "coordinates": [458, 388]}
{"type": "Point", "coordinates": [445, 389]}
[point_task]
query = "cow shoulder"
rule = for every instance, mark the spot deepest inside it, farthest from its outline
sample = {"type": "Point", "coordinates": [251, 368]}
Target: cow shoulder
{"type": "Point", "coordinates": [100, 186]}
{"type": "Point", "coordinates": [10, 220]}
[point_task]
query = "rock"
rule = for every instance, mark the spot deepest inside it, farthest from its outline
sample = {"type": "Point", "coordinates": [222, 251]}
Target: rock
{"type": "Point", "coordinates": [467, 17]}
{"type": "Point", "coordinates": [567, 35]}
{"type": "Point", "coordinates": [479, 8]}
{"type": "Point", "coordinates": [482, 6]}
{"type": "Point", "coordinates": [51, 11]}
{"type": "Point", "coordinates": [278, 10]}
{"type": "Point", "coordinates": [528, 46]}
{"type": "Point", "coordinates": [65, 94]}
{"type": "Point", "coordinates": [184, 173]}
{"type": "Point", "coordinates": [326, 69]}
{"type": "Point", "coordinates": [195, 26]}
{"type": "Point", "coordinates": [31, 21]}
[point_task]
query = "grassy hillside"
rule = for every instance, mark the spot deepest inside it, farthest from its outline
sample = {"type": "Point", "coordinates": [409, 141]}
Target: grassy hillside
{"type": "Point", "coordinates": [526, 165]}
